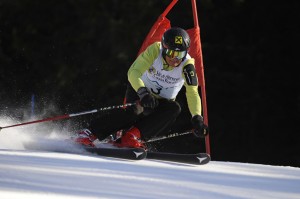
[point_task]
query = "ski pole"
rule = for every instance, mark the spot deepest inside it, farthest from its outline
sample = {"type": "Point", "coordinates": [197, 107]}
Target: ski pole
{"type": "Point", "coordinates": [70, 115]}
{"type": "Point", "coordinates": [168, 136]}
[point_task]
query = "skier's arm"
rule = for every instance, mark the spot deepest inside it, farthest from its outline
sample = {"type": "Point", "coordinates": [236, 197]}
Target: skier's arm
{"type": "Point", "coordinates": [194, 101]}
{"type": "Point", "coordinates": [141, 64]}
{"type": "Point", "coordinates": [191, 85]}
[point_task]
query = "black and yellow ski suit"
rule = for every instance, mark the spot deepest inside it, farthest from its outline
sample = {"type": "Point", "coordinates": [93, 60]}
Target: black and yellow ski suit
{"type": "Point", "coordinates": [150, 70]}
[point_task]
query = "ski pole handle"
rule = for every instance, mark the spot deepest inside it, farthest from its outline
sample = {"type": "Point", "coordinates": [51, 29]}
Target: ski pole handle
{"type": "Point", "coordinates": [70, 115]}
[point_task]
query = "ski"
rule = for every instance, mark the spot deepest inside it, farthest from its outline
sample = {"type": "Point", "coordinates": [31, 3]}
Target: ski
{"type": "Point", "coordinates": [123, 153]}
{"type": "Point", "coordinates": [113, 152]}
{"type": "Point", "coordinates": [69, 147]}
{"type": "Point", "coordinates": [197, 159]}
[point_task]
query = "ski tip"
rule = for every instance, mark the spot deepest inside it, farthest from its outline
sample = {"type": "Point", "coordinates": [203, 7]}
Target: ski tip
{"type": "Point", "coordinates": [140, 154]}
{"type": "Point", "coordinates": [203, 158]}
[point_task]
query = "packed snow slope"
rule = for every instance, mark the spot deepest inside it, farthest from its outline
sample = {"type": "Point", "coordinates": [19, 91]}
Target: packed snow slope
{"type": "Point", "coordinates": [44, 174]}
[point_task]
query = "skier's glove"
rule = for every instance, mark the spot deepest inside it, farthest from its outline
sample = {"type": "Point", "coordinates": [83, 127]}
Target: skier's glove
{"type": "Point", "coordinates": [200, 129]}
{"type": "Point", "coordinates": [147, 100]}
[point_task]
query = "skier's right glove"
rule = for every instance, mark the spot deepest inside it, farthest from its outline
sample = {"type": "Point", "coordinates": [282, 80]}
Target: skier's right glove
{"type": "Point", "coordinates": [147, 100]}
{"type": "Point", "coordinates": [200, 129]}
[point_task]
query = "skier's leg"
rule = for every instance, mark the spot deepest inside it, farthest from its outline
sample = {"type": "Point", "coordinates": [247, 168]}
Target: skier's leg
{"type": "Point", "coordinates": [111, 122]}
{"type": "Point", "coordinates": [159, 120]}
{"type": "Point", "coordinates": [118, 119]}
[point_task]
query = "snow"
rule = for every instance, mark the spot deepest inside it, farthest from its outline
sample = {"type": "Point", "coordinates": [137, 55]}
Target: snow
{"type": "Point", "coordinates": [41, 174]}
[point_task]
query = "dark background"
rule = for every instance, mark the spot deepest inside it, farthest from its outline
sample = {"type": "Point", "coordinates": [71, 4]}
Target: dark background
{"type": "Point", "coordinates": [73, 55]}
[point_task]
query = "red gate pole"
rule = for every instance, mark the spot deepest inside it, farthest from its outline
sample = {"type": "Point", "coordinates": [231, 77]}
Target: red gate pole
{"type": "Point", "coordinates": [200, 73]}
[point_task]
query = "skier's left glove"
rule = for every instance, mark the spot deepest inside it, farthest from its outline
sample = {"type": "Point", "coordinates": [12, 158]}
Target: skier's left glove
{"type": "Point", "coordinates": [146, 98]}
{"type": "Point", "coordinates": [200, 129]}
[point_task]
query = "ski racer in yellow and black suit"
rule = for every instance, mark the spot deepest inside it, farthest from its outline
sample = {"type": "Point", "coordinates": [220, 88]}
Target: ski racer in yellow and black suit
{"type": "Point", "coordinates": [155, 79]}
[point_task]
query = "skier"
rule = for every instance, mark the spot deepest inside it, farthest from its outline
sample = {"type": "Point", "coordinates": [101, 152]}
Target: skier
{"type": "Point", "coordinates": [155, 79]}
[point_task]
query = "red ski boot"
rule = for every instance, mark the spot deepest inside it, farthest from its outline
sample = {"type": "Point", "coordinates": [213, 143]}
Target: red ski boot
{"type": "Point", "coordinates": [85, 138]}
{"type": "Point", "coordinates": [131, 139]}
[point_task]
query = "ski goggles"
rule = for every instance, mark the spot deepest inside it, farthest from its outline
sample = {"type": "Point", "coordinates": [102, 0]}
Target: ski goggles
{"type": "Point", "coordinates": [175, 54]}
